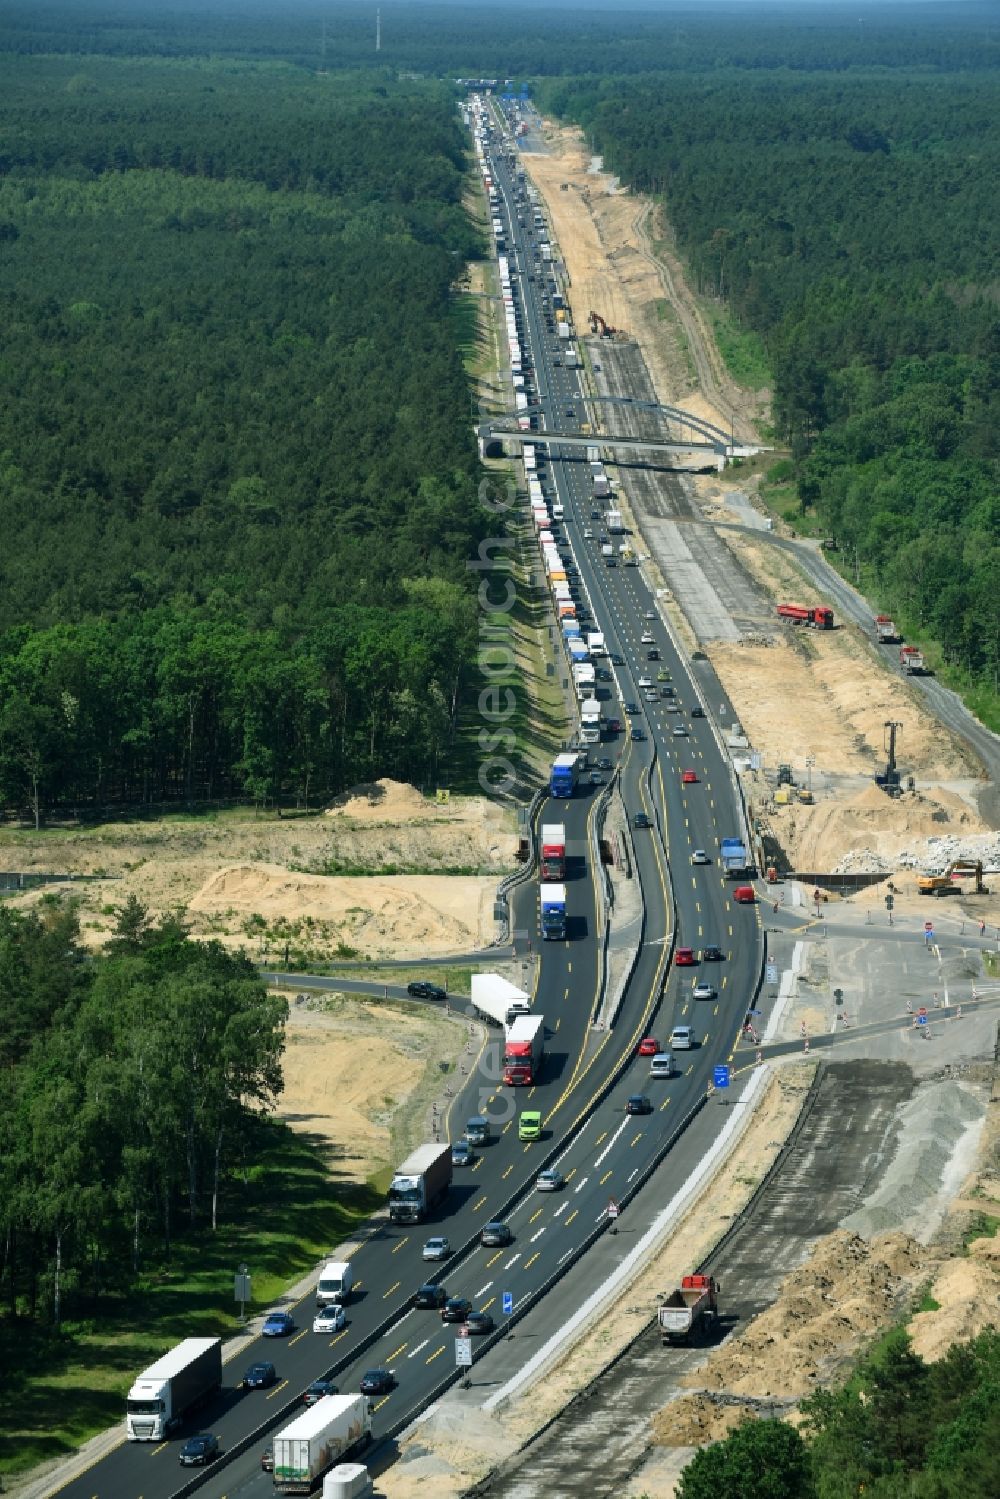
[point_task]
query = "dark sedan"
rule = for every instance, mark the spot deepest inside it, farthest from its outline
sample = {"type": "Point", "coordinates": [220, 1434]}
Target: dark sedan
{"type": "Point", "coordinates": [420, 989]}
{"type": "Point", "coordinates": [638, 1104]}
{"type": "Point", "coordinates": [496, 1234]}
{"type": "Point", "coordinates": [259, 1377]}
{"type": "Point", "coordinates": [456, 1309]}
{"type": "Point", "coordinates": [432, 1295]}
{"type": "Point", "coordinates": [318, 1390]}
{"type": "Point", "coordinates": [479, 1322]}
{"type": "Point", "coordinates": [377, 1382]}
{"type": "Point", "coordinates": [199, 1450]}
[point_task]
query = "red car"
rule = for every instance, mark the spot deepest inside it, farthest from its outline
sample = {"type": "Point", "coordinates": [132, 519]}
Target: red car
{"type": "Point", "coordinates": [684, 957]}
{"type": "Point", "coordinates": [648, 1046]}
{"type": "Point", "coordinates": [688, 778]}
{"type": "Point", "coordinates": [614, 725]}
{"type": "Point", "coordinates": [745, 894]}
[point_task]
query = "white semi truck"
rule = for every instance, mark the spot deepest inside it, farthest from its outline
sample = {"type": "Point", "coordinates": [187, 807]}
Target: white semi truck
{"type": "Point", "coordinates": [164, 1393]}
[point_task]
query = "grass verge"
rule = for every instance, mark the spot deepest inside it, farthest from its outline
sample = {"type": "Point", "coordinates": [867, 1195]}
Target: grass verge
{"type": "Point", "coordinates": [742, 350]}
{"type": "Point", "coordinates": [60, 1388]}
{"type": "Point", "coordinates": [451, 976]}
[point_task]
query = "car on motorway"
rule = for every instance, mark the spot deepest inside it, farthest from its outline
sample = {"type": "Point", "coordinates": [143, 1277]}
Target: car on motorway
{"type": "Point", "coordinates": [267, 1460]}
{"type": "Point", "coordinates": [662, 1065]}
{"type": "Point", "coordinates": [652, 654]}
{"type": "Point", "coordinates": [645, 638]}
{"type": "Point", "coordinates": [277, 1325]}
{"type": "Point", "coordinates": [330, 1318]}
{"type": "Point", "coordinates": [663, 675]}
{"type": "Point", "coordinates": [596, 779]}
{"type": "Point", "coordinates": [700, 857]}
{"type": "Point", "coordinates": [479, 1323]}
{"type": "Point", "coordinates": [745, 895]}
{"type": "Point", "coordinates": [437, 1247]}
{"type": "Point", "coordinates": [645, 682]}
{"type": "Point", "coordinates": [604, 763]}
{"type": "Point", "coordinates": [549, 1181]}
{"type": "Point", "coordinates": [704, 990]}
{"type": "Point", "coordinates": [588, 534]}
{"type": "Point", "coordinates": [638, 1103]}
{"type": "Point", "coordinates": [689, 778]}
{"type": "Point", "coordinates": [671, 705]}
{"type": "Point", "coordinates": [456, 1309]}
{"type": "Point", "coordinates": [684, 957]}
{"type": "Point", "coordinates": [602, 674]}
{"type": "Point", "coordinates": [711, 953]}
{"type": "Point", "coordinates": [529, 1126]}
{"type": "Point", "coordinates": [697, 711]}
{"type": "Point", "coordinates": [430, 1296]}
{"type": "Point", "coordinates": [648, 1046]}
{"type": "Point", "coordinates": [680, 731]}
{"type": "Point", "coordinates": [462, 1153]}
{"type": "Point", "coordinates": [615, 659]}
{"type": "Point", "coordinates": [611, 562]}
{"type": "Point", "coordinates": [641, 821]}
{"type": "Point", "coordinates": [604, 540]}
{"type": "Point", "coordinates": [377, 1382]}
{"type": "Point", "coordinates": [420, 989]}
{"type": "Point", "coordinates": [318, 1390]}
{"type": "Point", "coordinates": [682, 1038]}
{"type": "Point", "coordinates": [259, 1377]}
{"type": "Point", "coordinates": [614, 725]}
{"type": "Point", "coordinates": [495, 1234]}
{"type": "Point", "coordinates": [650, 694]}
{"type": "Point", "coordinates": [650, 614]}
{"type": "Point", "coordinates": [667, 690]}
{"type": "Point", "coordinates": [638, 735]}
{"type": "Point", "coordinates": [631, 708]}
{"type": "Point", "coordinates": [570, 411]}
{"type": "Point", "coordinates": [204, 1448]}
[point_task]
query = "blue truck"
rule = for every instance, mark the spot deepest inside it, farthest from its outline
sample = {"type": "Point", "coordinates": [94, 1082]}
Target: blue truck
{"type": "Point", "coordinates": [563, 779]}
{"type": "Point", "coordinates": [733, 857]}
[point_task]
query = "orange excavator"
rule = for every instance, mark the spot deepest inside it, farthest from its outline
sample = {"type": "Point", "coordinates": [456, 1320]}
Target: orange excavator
{"type": "Point", "coordinates": [943, 884]}
{"type": "Point", "coordinates": [598, 325]}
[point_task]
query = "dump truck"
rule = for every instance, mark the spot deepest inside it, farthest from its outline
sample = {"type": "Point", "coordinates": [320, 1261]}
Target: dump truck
{"type": "Point", "coordinates": [911, 660]}
{"type": "Point", "coordinates": [326, 1432]}
{"type": "Point", "coordinates": [885, 629]}
{"type": "Point", "coordinates": [164, 1393]}
{"type": "Point", "coordinates": [694, 1303]}
{"type": "Point", "coordinates": [816, 616]}
{"type": "Point", "coordinates": [420, 1183]}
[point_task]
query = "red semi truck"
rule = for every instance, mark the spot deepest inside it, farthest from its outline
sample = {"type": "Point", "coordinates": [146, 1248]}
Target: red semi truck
{"type": "Point", "coordinates": [816, 616]}
{"type": "Point", "coordinates": [524, 1051]}
{"type": "Point", "coordinates": [553, 850]}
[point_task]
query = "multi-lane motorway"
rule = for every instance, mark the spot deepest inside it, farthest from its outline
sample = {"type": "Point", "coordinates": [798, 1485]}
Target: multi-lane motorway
{"type": "Point", "coordinates": [599, 1150]}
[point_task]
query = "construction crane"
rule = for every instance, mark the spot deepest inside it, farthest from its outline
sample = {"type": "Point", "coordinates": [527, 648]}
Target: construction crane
{"type": "Point", "coordinates": [888, 778]}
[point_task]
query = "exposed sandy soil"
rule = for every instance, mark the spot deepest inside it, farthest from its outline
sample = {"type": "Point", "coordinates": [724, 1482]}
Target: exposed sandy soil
{"type": "Point", "coordinates": [604, 237]}
{"type": "Point", "coordinates": [349, 1071]}
{"type": "Point", "coordinates": [248, 881]}
{"type": "Point", "coordinates": [818, 837]}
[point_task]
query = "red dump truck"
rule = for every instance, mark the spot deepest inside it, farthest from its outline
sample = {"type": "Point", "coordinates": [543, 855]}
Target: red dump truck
{"type": "Point", "coordinates": [911, 660]}
{"type": "Point", "coordinates": [693, 1303]}
{"type": "Point", "coordinates": [554, 849]}
{"type": "Point", "coordinates": [816, 616]}
{"type": "Point", "coordinates": [885, 629]}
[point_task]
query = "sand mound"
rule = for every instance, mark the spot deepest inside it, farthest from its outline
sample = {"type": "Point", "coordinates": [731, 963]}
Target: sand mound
{"type": "Point", "coordinates": [847, 1289]}
{"type": "Point", "coordinates": [384, 801]}
{"type": "Point", "coordinates": [696, 1420]}
{"type": "Point", "coordinates": [424, 913]}
{"type": "Point", "coordinates": [870, 824]}
{"type": "Point", "coordinates": [969, 1295]}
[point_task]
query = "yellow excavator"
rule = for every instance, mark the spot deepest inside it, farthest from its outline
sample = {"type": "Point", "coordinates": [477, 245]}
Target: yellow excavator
{"type": "Point", "coordinates": [943, 884]}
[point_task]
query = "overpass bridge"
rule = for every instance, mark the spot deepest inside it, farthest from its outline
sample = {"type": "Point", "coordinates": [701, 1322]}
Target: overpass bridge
{"type": "Point", "coordinates": [706, 440]}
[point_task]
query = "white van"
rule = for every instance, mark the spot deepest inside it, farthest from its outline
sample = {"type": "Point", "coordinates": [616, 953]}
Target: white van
{"type": "Point", "coordinates": [682, 1038]}
{"type": "Point", "coordinates": [335, 1282]}
{"type": "Point", "coordinates": [662, 1065]}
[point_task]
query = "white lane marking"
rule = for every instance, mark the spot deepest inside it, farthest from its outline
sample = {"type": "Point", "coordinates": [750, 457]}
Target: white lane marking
{"type": "Point", "coordinates": [418, 1348]}
{"type": "Point", "coordinates": [634, 1173]}
{"type": "Point", "coordinates": [536, 1236]}
{"type": "Point", "coordinates": [610, 1143]}
{"type": "Point", "coordinates": [560, 1210]}
{"type": "Point", "coordinates": [513, 1261]}
{"type": "Point", "coordinates": [565, 1256]}
{"type": "Point", "coordinates": [581, 1184]}
{"type": "Point", "coordinates": [483, 1289]}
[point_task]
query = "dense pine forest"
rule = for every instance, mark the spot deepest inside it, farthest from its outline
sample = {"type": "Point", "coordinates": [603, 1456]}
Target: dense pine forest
{"type": "Point", "coordinates": [852, 223]}
{"type": "Point", "coordinates": [235, 445]}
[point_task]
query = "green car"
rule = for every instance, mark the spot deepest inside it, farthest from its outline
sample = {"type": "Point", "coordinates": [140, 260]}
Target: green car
{"type": "Point", "coordinates": [529, 1126]}
{"type": "Point", "coordinates": [663, 675]}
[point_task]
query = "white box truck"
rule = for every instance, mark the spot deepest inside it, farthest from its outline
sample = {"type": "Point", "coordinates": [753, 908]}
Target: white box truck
{"type": "Point", "coordinates": [178, 1382]}
{"type": "Point", "coordinates": [327, 1431]}
{"type": "Point", "coordinates": [595, 644]}
{"type": "Point", "coordinates": [335, 1282]}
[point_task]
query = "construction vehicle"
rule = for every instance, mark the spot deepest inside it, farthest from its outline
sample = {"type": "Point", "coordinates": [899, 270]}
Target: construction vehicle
{"type": "Point", "coordinates": [816, 616]}
{"type": "Point", "coordinates": [885, 629]}
{"type": "Point", "coordinates": [911, 660]}
{"type": "Point", "coordinates": [944, 884]}
{"type": "Point", "coordinates": [785, 775]}
{"type": "Point", "coordinates": [805, 795]}
{"type": "Point", "coordinates": [889, 778]}
{"type": "Point", "coordinates": [693, 1304]}
{"type": "Point", "coordinates": [598, 325]}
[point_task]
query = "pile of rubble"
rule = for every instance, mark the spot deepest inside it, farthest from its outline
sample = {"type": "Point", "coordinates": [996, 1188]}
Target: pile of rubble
{"type": "Point", "coordinates": [931, 854]}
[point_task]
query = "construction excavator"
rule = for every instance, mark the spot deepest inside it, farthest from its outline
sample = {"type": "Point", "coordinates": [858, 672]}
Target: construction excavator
{"type": "Point", "coordinates": [598, 325]}
{"type": "Point", "coordinates": [943, 884]}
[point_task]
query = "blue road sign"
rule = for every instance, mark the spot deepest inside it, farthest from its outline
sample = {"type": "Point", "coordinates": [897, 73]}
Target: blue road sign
{"type": "Point", "coordinates": [921, 1019]}
{"type": "Point", "coordinates": [720, 1076]}
{"type": "Point", "coordinates": [508, 1303]}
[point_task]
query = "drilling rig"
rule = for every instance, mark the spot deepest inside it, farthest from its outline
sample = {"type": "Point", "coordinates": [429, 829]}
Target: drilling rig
{"type": "Point", "coordinates": [889, 778]}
